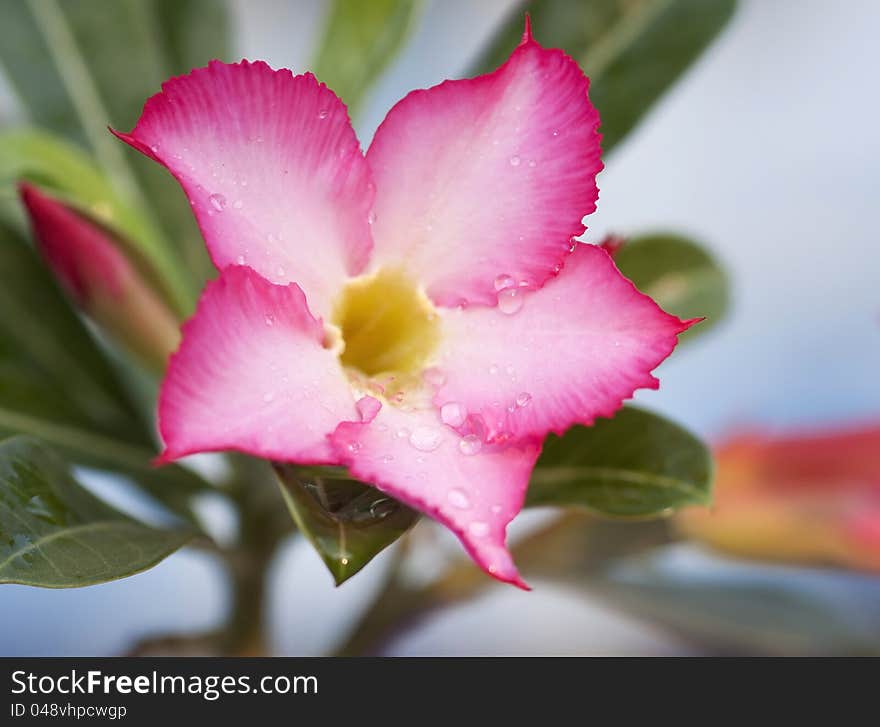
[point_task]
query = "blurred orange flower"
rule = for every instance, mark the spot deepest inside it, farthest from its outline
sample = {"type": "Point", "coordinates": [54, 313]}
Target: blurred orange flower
{"type": "Point", "coordinates": [801, 497]}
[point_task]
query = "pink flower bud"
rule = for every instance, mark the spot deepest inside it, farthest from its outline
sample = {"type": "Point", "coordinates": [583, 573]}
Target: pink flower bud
{"type": "Point", "coordinates": [94, 271]}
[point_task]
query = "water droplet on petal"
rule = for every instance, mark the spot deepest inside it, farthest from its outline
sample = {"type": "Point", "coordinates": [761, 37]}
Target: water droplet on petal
{"type": "Point", "coordinates": [470, 444]}
{"type": "Point", "coordinates": [354, 447]}
{"type": "Point", "coordinates": [493, 369]}
{"type": "Point", "coordinates": [268, 396]}
{"type": "Point", "coordinates": [387, 458]}
{"type": "Point", "coordinates": [434, 377]}
{"type": "Point", "coordinates": [504, 281]}
{"type": "Point", "coordinates": [496, 509]}
{"type": "Point", "coordinates": [425, 439]}
{"type": "Point", "coordinates": [239, 260]}
{"type": "Point", "coordinates": [510, 300]}
{"type": "Point", "coordinates": [458, 498]}
{"type": "Point", "coordinates": [523, 399]}
{"type": "Point", "coordinates": [533, 163]}
{"type": "Point", "coordinates": [270, 320]}
{"type": "Point", "coordinates": [218, 202]}
{"type": "Point", "coordinates": [402, 433]}
{"type": "Point", "coordinates": [280, 271]}
{"type": "Point", "coordinates": [371, 218]}
{"type": "Point", "coordinates": [323, 114]}
{"type": "Point", "coordinates": [478, 529]}
{"type": "Point", "coordinates": [238, 204]}
{"type": "Point", "coordinates": [453, 414]}
{"type": "Point", "coordinates": [514, 161]}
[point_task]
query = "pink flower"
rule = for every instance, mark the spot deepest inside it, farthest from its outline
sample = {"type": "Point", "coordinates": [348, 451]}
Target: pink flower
{"type": "Point", "coordinates": [418, 314]}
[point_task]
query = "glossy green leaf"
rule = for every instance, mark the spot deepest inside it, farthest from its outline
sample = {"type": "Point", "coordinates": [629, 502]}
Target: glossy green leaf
{"type": "Point", "coordinates": [55, 164]}
{"type": "Point", "coordinates": [741, 607]}
{"type": "Point", "coordinates": [681, 276]}
{"type": "Point", "coordinates": [632, 50]}
{"type": "Point", "coordinates": [57, 384]}
{"type": "Point", "coordinates": [55, 534]}
{"type": "Point", "coordinates": [634, 465]}
{"type": "Point", "coordinates": [360, 40]}
{"type": "Point", "coordinates": [346, 521]}
{"type": "Point", "coordinates": [82, 65]}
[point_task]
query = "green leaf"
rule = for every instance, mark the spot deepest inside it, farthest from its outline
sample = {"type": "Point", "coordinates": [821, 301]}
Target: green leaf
{"type": "Point", "coordinates": [742, 607]}
{"type": "Point", "coordinates": [347, 522]}
{"type": "Point", "coordinates": [681, 276]}
{"type": "Point", "coordinates": [50, 162]}
{"type": "Point", "coordinates": [57, 384]}
{"type": "Point", "coordinates": [360, 40]}
{"type": "Point", "coordinates": [55, 534]}
{"type": "Point", "coordinates": [632, 466]}
{"type": "Point", "coordinates": [632, 51]}
{"type": "Point", "coordinates": [82, 65]}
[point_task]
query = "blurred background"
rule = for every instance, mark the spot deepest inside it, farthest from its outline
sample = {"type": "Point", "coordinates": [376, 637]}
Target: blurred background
{"type": "Point", "coordinates": [766, 152]}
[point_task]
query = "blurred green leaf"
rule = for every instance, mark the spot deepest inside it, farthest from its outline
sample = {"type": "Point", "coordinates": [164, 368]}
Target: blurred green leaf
{"type": "Point", "coordinates": [741, 607]}
{"type": "Point", "coordinates": [360, 40]}
{"type": "Point", "coordinates": [634, 465]}
{"type": "Point", "coordinates": [55, 534]}
{"type": "Point", "coordinates": [346, 521]}
{"type": "Point", "coordinates": [681, 276]}
{"type": "Point", "coordinates": [632, 50]}
{"type": "Point", "coordinates": [57, 384]}
{"type": "Point", "coordinates": [97, 63]}
{"type": "Point", "coordinates": [50, 162]}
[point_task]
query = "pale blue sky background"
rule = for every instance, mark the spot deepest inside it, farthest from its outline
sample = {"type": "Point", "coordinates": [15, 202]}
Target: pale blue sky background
{"type": "Point", "coordinates": [767, 152]}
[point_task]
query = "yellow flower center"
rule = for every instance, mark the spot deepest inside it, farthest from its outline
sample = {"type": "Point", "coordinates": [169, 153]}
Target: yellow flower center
{"type": "Point", "coordinates": [387, 324]}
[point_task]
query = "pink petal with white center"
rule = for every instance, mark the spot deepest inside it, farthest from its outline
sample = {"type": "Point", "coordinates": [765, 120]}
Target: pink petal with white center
{"type": "Point", "coordinates": [487, 177]}
{"type": "Point", "coordinates": [473, 491]}
{"type": "Point", "coordinates": [559, 356]}
{"type": "Point", "coordinates": [252, 375]}
{"type": "Point", "coordinates": [273, 170]}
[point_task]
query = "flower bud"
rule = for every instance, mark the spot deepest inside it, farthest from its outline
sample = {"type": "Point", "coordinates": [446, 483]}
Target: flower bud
{"type": "Point", "coordinates": [802, 498]}
{"type": "Point", "coordinates": [93, 269]}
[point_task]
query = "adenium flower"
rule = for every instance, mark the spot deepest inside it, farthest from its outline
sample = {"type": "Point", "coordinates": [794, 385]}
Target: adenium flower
{"type": "Point", "coordinates": [419, 314]}
{"type": "Point", "coordinates": [803, 497]}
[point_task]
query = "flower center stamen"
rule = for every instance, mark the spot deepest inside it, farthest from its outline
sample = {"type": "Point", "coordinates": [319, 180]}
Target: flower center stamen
{"type": "Point", "coordinates": [388, 325]}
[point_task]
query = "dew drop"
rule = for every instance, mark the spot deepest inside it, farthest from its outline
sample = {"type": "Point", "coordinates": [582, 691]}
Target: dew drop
{"type": "Point", "coordinates": [402, 433]}
{"type": "Point", "coordinates": [387, 458]}
{"type": "Point", "coordinates": [323, 114]}
{"type": "Point", "coordinates": [218, 202]}
{"type": "Point", "coordinates": [523, 399]}
{"type": "Point", "coordinates": [239, 260]}
{"type": "Point", "coordinates": [510, 300]}
{"type": "Point", "coordinates": [533, 163]}
{"type": "Point", "coordinates": [504, 281]}
{"type": "Point", "coordinates": [458, 498]}
{"type": "Point", "coordinates": [496, 509]}
{"type": "Point", "coordinates": [434, 377]}
{"type": "Point", "coordinates": [238, 204]}
{"type": "Point", "coordinates": [514, 161]}
{"type": "Point", "coordinates": [371, 218]}
{"type": "Point", "coordinates": [470, 444]}
{"type": "Point", "coordinates": [453, 414]}
{"type": "Point", "coordinates": [280, 271]}
{"type": "Point", "coordinates": [354, 447]}
{"type": "Point", "coordinates": [270, 320]}
{"type": "Point", "coordinates": [493, 370]}
{"type": "Point", "coordinates": [478, 529]}
{"type": "Point", "coordinates": [425, 439]}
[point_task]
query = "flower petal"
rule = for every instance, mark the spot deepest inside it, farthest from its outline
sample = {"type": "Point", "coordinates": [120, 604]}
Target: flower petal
{"type": "Point", "coordinates": [413, 457]}
{"type": "Point", "coordinates": [272, 167]}
{"type": "Point", "coordinates": [487, 177]}
{"type": "Point", "coordinates": [574, 350]}
{"type": "Point", "coordinates": [252, 375]}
